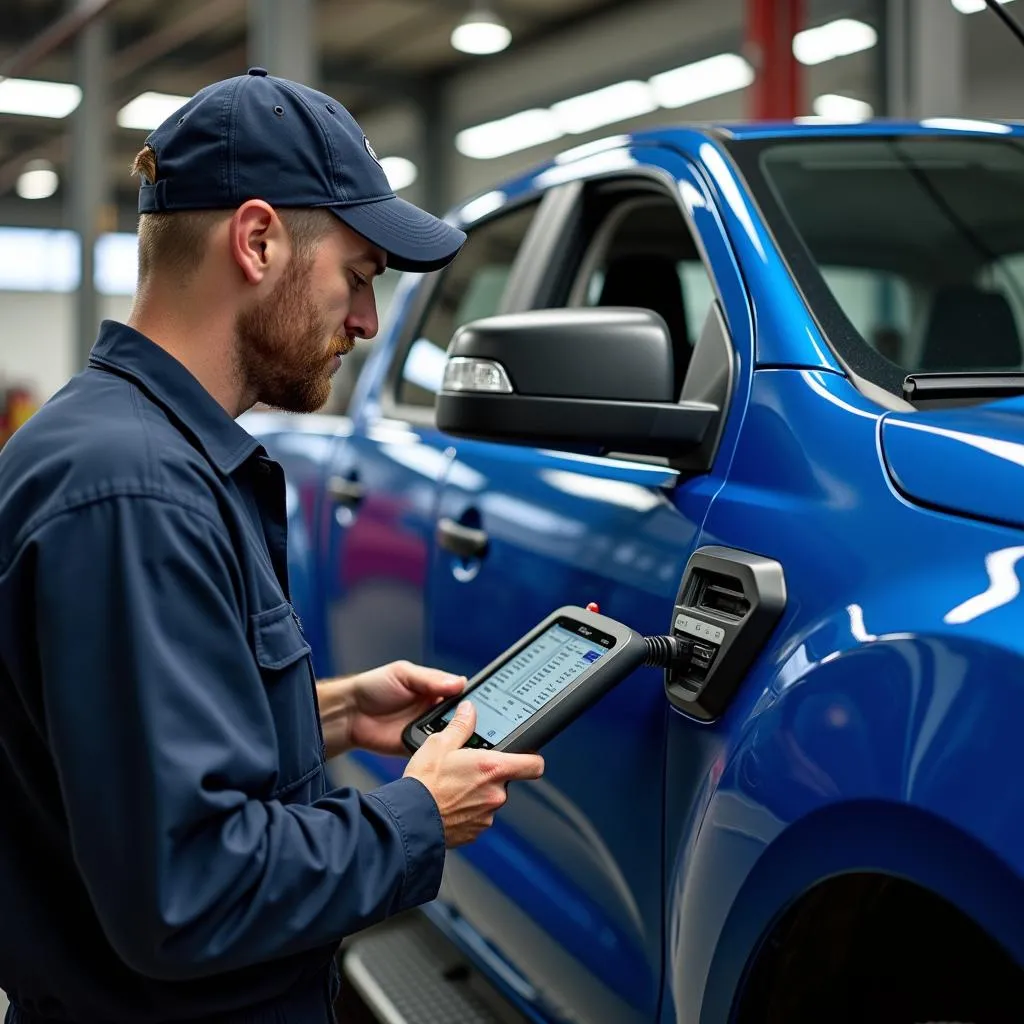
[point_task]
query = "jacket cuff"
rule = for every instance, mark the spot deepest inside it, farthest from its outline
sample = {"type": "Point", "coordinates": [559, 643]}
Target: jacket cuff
{"type": "Point", "coordinates": [414, 812]}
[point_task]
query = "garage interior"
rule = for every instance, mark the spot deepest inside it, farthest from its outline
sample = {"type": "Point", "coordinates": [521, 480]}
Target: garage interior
{"type": "Point", "coordinates": [456, 96]}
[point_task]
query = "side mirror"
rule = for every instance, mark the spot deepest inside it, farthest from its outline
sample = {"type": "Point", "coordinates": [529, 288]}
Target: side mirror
{"type": "Point", "coordinates": [600, 378]}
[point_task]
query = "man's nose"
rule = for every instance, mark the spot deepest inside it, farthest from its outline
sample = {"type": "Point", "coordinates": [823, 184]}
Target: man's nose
{"type": "Point", "coordinates": [362, 321]}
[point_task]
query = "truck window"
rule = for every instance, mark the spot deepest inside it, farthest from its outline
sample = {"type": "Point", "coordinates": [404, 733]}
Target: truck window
{"type": "Point", "coordinates": [932, 223]}
{"type": "Point", "coordinates": [643, 254]}
{"type": "Point", "coordinates": [471, 288]}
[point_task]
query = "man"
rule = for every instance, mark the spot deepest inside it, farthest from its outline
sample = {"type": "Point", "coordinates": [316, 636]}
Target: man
{"type": "Point", "coordinates": [171, 849]}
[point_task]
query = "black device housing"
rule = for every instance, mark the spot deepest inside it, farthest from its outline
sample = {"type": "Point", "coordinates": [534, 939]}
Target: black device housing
{"type": "Point", "coordinates": [545, 723]}
{"type": "Point", "coordinates": [728, 604]}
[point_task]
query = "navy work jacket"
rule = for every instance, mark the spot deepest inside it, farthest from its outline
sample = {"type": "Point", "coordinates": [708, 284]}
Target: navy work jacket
{"type": "Point", "coordinates": [169, 846]}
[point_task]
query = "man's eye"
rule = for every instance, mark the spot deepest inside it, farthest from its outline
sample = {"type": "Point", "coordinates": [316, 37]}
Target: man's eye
{"type": "Point", "coordinates": [357, 280]}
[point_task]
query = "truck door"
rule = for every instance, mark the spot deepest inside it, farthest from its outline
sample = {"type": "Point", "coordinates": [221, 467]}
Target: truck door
{"type": "Point", "coordinates": [567, 887]}
{"type": "Point", "coordinates": [383, 478]}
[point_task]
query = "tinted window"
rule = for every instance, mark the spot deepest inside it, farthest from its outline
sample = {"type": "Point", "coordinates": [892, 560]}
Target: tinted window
{"type": "Point", "coordinates": [472, 288]}
{"type": "Point", "coordinates": [646, 257]}
{"type": "Point", "coordinates": [916, 240]}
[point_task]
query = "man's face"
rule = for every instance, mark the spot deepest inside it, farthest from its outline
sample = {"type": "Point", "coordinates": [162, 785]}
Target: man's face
{"type": "Point", "coordinates": [290, 344]}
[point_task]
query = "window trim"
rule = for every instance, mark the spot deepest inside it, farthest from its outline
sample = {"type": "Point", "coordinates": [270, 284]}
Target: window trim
{"type": "Point", "coordinates": [543, 224]}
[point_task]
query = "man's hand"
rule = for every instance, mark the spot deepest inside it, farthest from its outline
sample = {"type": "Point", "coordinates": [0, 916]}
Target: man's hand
{"type": "Point", "coordinates": [370, 710]}
{"type": "Point", "coordinates": [468, 785]}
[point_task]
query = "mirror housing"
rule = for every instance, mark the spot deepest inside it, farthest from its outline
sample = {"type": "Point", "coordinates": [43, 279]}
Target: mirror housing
{"type": "Point", "coordinates": [594, 378]}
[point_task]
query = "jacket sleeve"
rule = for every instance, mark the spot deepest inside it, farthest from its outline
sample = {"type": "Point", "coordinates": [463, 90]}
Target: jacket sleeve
{"type": "Point", "coordinates": [164, 743]}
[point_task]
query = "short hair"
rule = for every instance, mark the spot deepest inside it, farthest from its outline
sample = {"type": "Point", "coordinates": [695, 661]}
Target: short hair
{"type": "Point", "coordinates": [175, 243]}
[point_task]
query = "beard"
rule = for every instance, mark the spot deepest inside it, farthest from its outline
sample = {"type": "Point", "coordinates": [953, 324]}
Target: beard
{"type": "Point", "coordinates": [280, 353]}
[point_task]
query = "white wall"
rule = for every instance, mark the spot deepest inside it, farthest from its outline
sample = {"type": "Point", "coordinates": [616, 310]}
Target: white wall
{"type": "Point", "coordinates": [37, 342]}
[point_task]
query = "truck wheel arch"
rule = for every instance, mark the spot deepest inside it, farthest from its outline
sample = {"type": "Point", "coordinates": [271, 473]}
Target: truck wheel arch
{"type": "Point", "coordinates": [860, 839]}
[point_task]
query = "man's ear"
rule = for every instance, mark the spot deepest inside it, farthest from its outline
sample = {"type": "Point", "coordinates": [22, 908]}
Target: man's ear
{"type": "Point", "coordinates": [258, 241]}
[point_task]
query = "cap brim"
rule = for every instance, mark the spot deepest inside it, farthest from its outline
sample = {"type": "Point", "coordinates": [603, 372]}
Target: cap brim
{"type": "Point", "coordinates": [414, 240]}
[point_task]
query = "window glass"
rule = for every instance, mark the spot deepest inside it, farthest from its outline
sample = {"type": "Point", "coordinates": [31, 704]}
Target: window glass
{"type": "Point", "coordinates": [471, 289]}
{"type": "Point", "coordinates": [918, 240]}
{"type": "Point", "coordinates": [879, 305]}
{"type": "Point", "coordinates": [649, 260]}
{"type": "Point", "coordinates": [1005, 277]}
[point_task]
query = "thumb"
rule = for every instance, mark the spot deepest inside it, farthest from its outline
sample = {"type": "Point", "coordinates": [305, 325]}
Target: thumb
{"type": "Point", "coordinates": [460, 728]}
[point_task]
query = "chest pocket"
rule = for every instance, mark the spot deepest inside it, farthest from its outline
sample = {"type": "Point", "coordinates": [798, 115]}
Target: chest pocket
{"type": "Point", "coordinates": [283, 656]}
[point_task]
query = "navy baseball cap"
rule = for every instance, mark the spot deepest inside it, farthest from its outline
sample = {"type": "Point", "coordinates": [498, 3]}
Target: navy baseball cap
{"type": "Point", "coordinates": [260, 137]}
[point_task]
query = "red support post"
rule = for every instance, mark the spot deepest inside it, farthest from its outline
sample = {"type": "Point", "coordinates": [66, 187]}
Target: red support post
{"type": "Point", "coordinates": [777, 91]}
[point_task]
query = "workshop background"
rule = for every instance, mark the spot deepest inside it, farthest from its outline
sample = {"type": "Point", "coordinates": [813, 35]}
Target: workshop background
{"type": "Point", "coordinates": [454, 96]}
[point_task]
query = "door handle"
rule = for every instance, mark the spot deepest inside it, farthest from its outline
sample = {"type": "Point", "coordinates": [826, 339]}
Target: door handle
{"type": "Point", "coordinates": [345, 490]}
{"type": "Point", "coordinates": [464, 541]}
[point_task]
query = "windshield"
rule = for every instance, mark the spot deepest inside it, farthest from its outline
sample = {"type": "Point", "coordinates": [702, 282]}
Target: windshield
{"type": "Point", "coordinates": [909, 250]}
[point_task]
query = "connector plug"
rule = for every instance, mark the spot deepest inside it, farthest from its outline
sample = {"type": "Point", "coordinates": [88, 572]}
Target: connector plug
{"type": "Point", "coordinates": [669, 652]}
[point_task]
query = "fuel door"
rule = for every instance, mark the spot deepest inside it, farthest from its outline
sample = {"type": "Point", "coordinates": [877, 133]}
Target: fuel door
{"type": "Point", "coordinates": [729, 601]}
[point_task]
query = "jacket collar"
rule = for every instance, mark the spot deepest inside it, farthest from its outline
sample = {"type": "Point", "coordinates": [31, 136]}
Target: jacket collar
{"type": "Point", "coordinates": [121, 349]}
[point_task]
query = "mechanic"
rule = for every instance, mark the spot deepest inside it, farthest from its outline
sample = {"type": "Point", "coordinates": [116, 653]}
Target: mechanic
{"type": "Point", "coordinates": [171, 848]}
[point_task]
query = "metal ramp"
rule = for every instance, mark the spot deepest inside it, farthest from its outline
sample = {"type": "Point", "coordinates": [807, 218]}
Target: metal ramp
{"type": "Point", "coordinates": [408, 973]}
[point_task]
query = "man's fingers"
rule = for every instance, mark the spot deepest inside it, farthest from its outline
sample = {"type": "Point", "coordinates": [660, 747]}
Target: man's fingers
{"type": "Point", "coordinates": [460, 728]}
{"type": "Point", "coordinates": [431, 682]}
{"type": "Point", "coordinates": [517, 766]}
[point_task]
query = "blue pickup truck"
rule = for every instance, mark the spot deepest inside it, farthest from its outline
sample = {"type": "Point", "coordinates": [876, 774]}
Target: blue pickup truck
{"type": "Point", "coordinates": [758, 385]}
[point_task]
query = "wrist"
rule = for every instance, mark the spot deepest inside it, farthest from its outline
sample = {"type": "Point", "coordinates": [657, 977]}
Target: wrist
{"type": "Point", "coordinates": [337, 705]}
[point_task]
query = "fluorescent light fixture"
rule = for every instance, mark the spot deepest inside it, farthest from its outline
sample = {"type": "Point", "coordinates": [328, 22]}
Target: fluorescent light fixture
{"type": "Point", "coordinates": [964, 124]}
{"type": "Point", "coordinates": [702, 80]}
{"type": "Point", "coordinates": [44, 260]}
{"type": "Point", "coordinates": [38, 99]}
{"type": "Point", "coordinates": [832, 107]}
{"type": "Point", "coordinates": [481, 31]}
{"type": "Point", "coordinates": [39, 260]}
{"type": "Point", "coordinates": [613, 103]}
{"type": "Point", "coordinates": [116, 269]}
{"type": "Point", "coordinates": [836, 39]}
{"type": "Point", "coordinates": [38, 180]}
{"type": "Point", "coordinates": [509, 134]}
{"type": "Point", "coordinates": [401, 173]}
{"type": "Point", "coordinates": [973, 6]}
{"type": "Point", "coordinates": [149, 110]}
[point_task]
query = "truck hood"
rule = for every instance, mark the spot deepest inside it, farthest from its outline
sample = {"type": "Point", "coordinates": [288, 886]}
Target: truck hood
{"type": "Point", "coordinates": [969, 461]}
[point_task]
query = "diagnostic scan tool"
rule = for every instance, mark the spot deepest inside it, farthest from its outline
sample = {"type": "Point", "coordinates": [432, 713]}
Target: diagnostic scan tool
{"type": "Point", "coordinates": [533, 690]}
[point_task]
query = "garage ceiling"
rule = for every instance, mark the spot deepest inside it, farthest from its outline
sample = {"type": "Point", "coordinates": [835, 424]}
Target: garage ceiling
{"type": "Point", "coordinates": [371, 52]}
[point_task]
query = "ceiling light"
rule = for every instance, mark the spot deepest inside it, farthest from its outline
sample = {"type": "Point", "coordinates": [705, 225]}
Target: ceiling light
{"type": "Point", "coordinates": [38, 180]}
{"type": "Point", "coordinates": [832, 107]}
{"type": "Point", "coordinates": [604, 106]}
{"type": "Point", "coordinates": [38, 99]}
{"type": "Point", "coordinates": [149, 110]}
{"type": "Point", "coordinates": [401, 173]}
{"type": "Point", "coordinates": [972, 6]}
{"type": "Point", "coordinates": [702, 80]}
{"type": "Point", "coordinates": [481, 31]}
{"type": "Point", "coordinates": [836, 39]}
{"type": "Point", "coordinates": [509, 134]}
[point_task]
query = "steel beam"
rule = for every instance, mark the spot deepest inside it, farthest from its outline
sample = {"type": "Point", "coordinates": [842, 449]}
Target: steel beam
{"type": "Point", "coordinates": [925, 53]}
{"type": "Point", "coordinates": [63, 30]}
{"type": "Point", "coordinates": [86, 174]}
{"type": "Point", "coordinates": [777, 92]}
{"type": "Point", "coordinates": [281, 39]}
{"type": "Point", "coordinates": [436, 146]}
